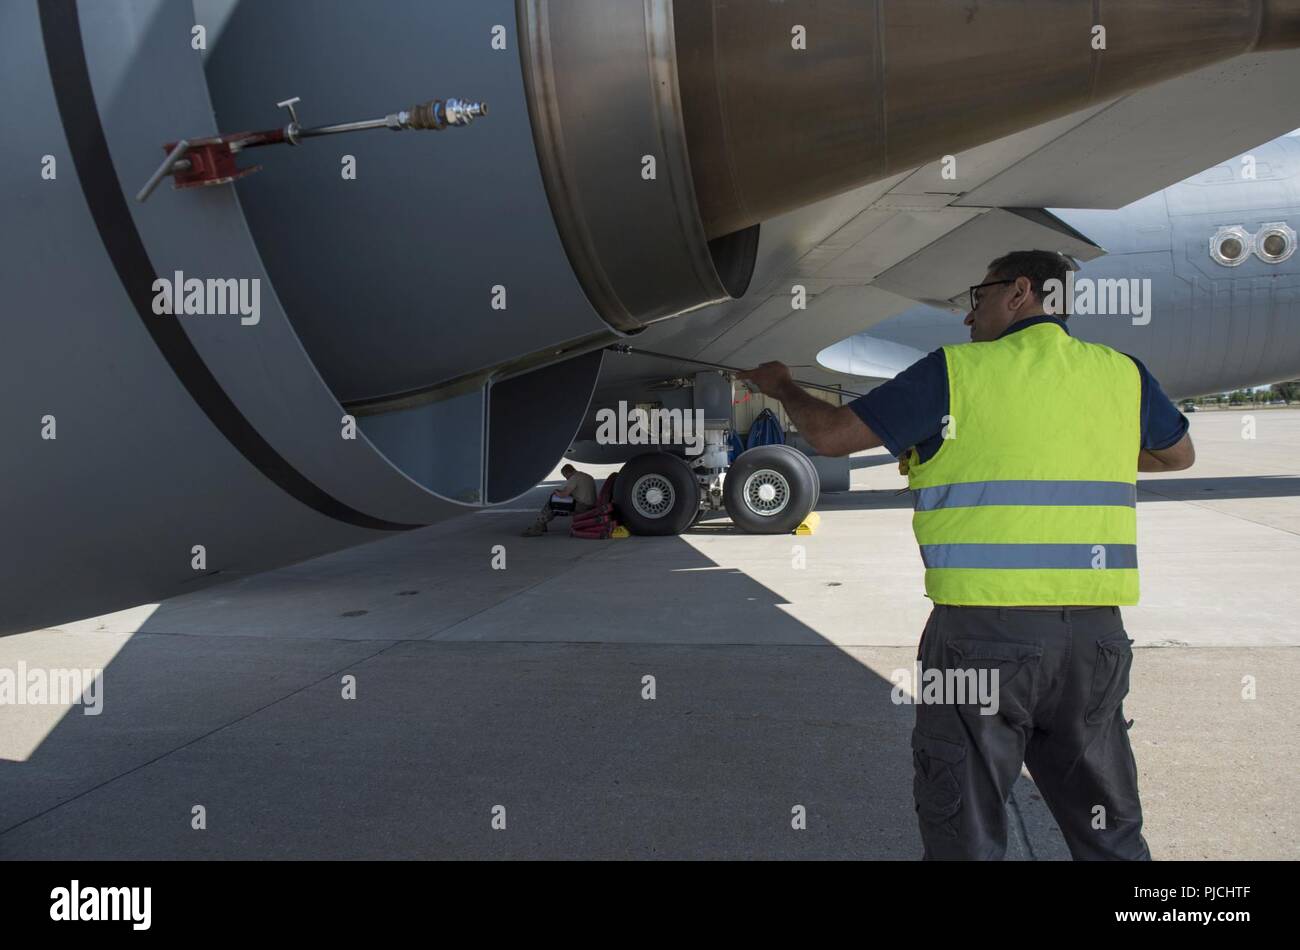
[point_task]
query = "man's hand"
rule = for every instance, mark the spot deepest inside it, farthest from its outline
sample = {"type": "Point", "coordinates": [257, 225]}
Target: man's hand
{"type": "Point", "coordinates": [830, 430]}
{"type": "Point", "coordinates": [772, 379]}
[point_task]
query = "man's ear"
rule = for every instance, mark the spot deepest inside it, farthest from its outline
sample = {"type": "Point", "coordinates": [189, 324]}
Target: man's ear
{"type": "Point", "coordinates": [1024, 288]}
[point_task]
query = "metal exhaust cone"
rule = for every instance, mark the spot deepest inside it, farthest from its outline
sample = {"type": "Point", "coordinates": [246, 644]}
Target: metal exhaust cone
{"type": "Point", "coordinates": [789, 103]}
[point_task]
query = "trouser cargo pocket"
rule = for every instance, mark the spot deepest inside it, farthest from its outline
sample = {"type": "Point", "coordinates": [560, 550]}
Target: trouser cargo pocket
{"type": "Point", "coordinates": [1110, 678]}
{"type": "Point", "coordinates": [1004, 671]}
{"type": "Point", "coordinates": [938, 765]}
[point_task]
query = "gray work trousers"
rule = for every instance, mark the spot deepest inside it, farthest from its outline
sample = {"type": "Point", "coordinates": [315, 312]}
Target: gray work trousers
{"type": "Point", "coordinates": [1061, 678]}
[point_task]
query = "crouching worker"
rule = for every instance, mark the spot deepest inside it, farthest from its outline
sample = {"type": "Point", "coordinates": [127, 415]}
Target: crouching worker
{"type": "Point", "coordinates": [576, 495]}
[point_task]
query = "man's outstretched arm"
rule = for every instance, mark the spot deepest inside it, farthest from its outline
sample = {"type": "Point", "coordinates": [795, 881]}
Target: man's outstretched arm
{"type": "Point", "coordinates": [1166, 442]}
{"type": "Point", "coordinates": [830, 430]}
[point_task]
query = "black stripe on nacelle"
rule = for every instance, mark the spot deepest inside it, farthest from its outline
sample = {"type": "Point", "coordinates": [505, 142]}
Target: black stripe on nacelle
{"type": "Point", "coordinates": [61, 34]}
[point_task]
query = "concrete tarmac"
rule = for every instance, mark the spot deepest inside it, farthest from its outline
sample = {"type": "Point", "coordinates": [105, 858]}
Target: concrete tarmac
{"type": "Point", "coordinates": [517, 693]}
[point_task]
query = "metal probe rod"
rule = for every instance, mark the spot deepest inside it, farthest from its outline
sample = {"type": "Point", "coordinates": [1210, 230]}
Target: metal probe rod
{"type": "Point", "coordinates": [211, 160]}
{"type": "Point", "coordinates": [435, 115]}
{"type": "Point", "coordinates": [629, 351]}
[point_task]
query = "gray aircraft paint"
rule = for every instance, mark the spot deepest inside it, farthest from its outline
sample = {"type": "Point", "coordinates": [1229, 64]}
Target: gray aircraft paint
{"type": "Point", "coordinates": [1213, 328]}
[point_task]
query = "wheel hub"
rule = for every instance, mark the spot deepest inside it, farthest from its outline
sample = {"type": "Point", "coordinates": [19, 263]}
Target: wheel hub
{"type": "Point", "coordinates": [766, 493]}
{"type": "Point", "coordinates": [653, 496]}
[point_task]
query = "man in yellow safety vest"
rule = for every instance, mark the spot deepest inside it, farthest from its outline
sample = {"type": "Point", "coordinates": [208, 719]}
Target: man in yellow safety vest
{"type": "Point", "coordinates": [1022, 450]}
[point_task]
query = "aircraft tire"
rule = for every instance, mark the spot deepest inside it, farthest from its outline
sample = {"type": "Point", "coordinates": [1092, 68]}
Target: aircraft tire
{"type": "Point", "coordinates": [770, 489]}
{"type": "Point", "coordinates": [656, 494]}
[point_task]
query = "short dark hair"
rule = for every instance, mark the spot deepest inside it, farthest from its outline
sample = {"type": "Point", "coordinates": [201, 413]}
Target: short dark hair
{"type": "Point", "coordinates": [567, 468]}
{"type": "Point", "coordinates": [1038, 266]}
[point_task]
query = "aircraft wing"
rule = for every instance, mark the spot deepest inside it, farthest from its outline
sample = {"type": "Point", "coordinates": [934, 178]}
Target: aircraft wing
{"type": "Point", "coordinates": [925, 237]}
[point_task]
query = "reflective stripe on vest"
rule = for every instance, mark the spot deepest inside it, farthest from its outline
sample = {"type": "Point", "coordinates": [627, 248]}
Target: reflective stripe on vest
{"type": "Point", "coordinates": [1052, 557]}
{"type": "Point", "coordinates": [1031, 498]}
{"type": "Point", "coordinates": [975, 494]}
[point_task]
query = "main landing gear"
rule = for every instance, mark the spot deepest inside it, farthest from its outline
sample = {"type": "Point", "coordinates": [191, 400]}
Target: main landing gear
{"type": "Point", "coordinates": [770, 489]}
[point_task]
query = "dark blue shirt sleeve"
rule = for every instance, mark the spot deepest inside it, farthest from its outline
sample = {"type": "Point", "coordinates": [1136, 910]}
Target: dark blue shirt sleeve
{"type": "Point", "coordinates": [908, 409]}
{"type": "Point", "coordinates": [1162, 424]}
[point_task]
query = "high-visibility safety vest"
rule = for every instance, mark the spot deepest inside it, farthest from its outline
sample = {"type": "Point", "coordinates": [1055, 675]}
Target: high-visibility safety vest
{"type": "Point", "coordinates": [1032, 497]}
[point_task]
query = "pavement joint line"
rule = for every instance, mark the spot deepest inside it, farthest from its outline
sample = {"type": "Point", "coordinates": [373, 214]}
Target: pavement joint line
{"type": "Point", "coordinates": [201, 634]}
{"type": "Point", "coordinates": [733, 644]}
{"type": "Point", "coordinates": [728, 644]}
{"type": "Point", "coordinates": [694, 644]}
{"type": "Point", "coordinates": [1219, 511]}
{"type": "Point", "coordinates": [185, 745]}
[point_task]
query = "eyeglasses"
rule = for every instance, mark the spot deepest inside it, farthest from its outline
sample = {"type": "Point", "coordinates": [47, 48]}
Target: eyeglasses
{"type": "Point", "coordinates": [975, 291]}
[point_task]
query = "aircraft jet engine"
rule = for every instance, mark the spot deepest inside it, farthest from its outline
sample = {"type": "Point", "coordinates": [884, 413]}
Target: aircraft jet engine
{"type": "Point", "coordinates": [247, 324]}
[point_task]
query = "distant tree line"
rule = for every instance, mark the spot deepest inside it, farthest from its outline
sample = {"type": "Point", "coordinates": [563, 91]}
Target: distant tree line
{"type": "Point", "coordinates": [1288, 393]}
